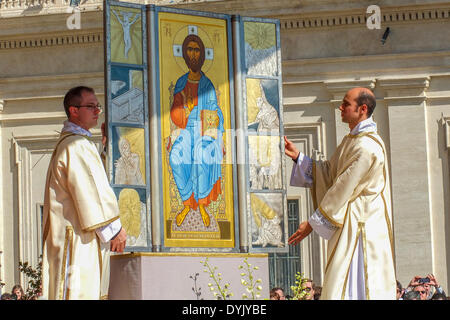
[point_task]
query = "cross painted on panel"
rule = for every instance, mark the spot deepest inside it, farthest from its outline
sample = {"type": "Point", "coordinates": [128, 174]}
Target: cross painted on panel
{"type": "Point", "coordinates": [126, 24]}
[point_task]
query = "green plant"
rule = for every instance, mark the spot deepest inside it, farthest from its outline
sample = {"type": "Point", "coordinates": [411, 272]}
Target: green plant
{"type": "Point", "coordinates": [298, 291]}
{"type": "Point", "coordinates": [220, 292]}
{"type": "Point", "coordinates": [253, 287]}
{"type": "Point", "coordinates": [34, 279]}
{"type": "Point", "coordinates": [196, 290]}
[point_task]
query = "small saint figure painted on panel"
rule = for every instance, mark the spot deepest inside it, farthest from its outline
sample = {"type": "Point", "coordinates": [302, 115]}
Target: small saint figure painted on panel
{"type": "Point", "coordinates": [128, 165]}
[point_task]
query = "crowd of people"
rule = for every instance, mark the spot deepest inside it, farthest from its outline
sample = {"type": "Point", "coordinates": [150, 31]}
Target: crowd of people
{"type": "Point", "coordinates": [419, 288]}
{"type": "Point", "coordinates": [311, 290]}
{"type": "Point", "coordinates": [17, 293]}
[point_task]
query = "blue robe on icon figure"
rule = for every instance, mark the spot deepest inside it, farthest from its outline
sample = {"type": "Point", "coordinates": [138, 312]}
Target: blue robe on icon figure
{"type": "Point", "coordinates": [196, 156]}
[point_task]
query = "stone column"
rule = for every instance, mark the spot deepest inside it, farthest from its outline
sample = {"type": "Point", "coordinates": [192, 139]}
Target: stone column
{"type": "Point", "coordinates": [2, 231]}
{"type": "Point", "coordinates": [155, 167]}
{"type": "Point", "coordinates": [411, 202]}
{"type": "Point", "coordinates": [240, 138]}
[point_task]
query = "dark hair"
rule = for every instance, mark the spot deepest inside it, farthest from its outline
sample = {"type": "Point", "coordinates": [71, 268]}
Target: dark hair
{"type": "Point", "coordinates": [399, 285]}
{"type": "Point", "coordinates": [313, 285]}
{"type": "Point", "coordinates": [274, 295]}
{"type": "Point", "coordinates": [368, 99]}
{"type": "Point", "coordinates": [276, 289]}
{"type": "Point", "coordinates": [73, 97]}
{"type": "Point", "coordinates": [317, 292]}
{"type": "Point", "coordinates": [6, 296]}
{"type": "Point", "coordinates": [196, 39]}
{"type": "Point", "coordinates": [438, 296]}
{"type": "Point", "coordinates": [22, 294]}
{"type": "Point", "coordinates": [412, 295]}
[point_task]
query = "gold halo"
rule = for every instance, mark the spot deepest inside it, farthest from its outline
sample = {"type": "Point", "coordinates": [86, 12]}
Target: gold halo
{"type": "Point", "coordinates": [260, 35]}
{"type": "Point", "coordinates": [181, 34]}
{"type": "Point", "coordinates": [130, 211]}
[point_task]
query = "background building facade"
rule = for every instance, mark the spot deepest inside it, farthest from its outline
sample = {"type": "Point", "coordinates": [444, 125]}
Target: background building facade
{"type": "Point", "coordinates": [328, 47]}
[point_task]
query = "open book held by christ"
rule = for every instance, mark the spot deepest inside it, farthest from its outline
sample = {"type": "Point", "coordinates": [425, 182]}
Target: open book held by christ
{"type": "Point", "coordinates": [210, 122]}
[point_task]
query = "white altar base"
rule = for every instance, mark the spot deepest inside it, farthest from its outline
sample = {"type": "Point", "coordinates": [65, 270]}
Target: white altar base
{"type": "Point", "coordinates": [166, 276]}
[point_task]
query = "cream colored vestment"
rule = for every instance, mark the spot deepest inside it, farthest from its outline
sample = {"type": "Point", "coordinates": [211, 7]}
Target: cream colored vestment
{"type": "Point", "coordinates": [78, 200]}
{"type": "Point", "coordinates": [351, 191]}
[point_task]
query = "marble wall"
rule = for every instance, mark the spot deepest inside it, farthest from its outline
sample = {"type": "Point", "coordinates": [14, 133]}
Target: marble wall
{"type": "Point", "coordinates": [327, 49]}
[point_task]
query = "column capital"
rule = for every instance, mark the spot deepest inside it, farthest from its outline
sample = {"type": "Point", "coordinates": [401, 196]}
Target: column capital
{"type": "Point", "coordinates": [446, 121]}
{"type": "Point", "coordinates": [405, 90]}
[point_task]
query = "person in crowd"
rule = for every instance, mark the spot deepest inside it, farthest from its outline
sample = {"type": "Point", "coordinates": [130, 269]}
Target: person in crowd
{"type": "Point", "coordinates": [17, 291]}
{"type": "Point", "coordinates": [274, 296]}
{"type": "Point", "coordinates": [438, 296]}
{"type": "Point", "coordinates": [309, 288]}
{"type": "Point", "coordinates": [279, 291]}
{"type": "Point", "coordinates": [400, 291]}
{"type": "Point", "coordinates": [432, 284]}
{"type": "Point", "coordinates": [317, 292]}
{"type": "Point", "coordinates": [411, 295]}
{"type": "Point", "coordinates": [6, 296]}
{"type": "Point", "coordinates": [422, 292]}
{"type": "Point", "coordinates": [429, 284]}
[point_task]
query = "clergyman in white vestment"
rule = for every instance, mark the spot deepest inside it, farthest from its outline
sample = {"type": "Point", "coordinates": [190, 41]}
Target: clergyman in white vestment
{"type": "Point", "coordinates": [351, 195]}
{"type": "Point", "coordinates": [81, 213]}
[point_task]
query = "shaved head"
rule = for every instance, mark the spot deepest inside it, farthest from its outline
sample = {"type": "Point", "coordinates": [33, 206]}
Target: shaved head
{"type": "Point", "coordinates": [365, 96]}
{"type": "Point", "coordinates": [358, 104]}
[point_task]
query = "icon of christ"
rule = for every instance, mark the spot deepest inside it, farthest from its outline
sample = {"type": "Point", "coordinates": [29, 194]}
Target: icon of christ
{"type": "Point", "coordinates": [196, 154]}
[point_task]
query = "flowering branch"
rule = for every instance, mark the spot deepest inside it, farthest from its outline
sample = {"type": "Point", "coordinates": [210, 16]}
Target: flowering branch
{"type": "Point", "coordinates": [223, 291]}
{"type": "Point", "coordinates": [194, 288]}
{"type": "Point", "coordinates": [253, 287]}
{"type": "Point", "coordinates": [299, 290]}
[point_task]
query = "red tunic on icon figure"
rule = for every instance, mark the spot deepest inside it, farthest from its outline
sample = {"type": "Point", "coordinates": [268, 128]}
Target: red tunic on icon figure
{"type": "Point", "coordinates": [179, 115]}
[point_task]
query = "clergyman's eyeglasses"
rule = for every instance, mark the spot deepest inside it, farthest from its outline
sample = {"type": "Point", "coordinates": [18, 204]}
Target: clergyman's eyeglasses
{"type": "Point", "coordinates": [92, 107]}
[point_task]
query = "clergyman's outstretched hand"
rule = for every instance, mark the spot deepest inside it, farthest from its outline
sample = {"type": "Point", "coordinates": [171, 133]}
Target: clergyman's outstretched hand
{"type": "Point", "coordinates": [304, 229]}
{"type": "Point", "coordinates": [289, 149]}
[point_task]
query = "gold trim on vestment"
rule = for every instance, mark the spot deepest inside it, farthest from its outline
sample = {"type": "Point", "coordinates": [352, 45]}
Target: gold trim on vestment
{"type": "Point", "coordinates": [99, 225]}
{"type": "Point", "coordinates": [344, 287]}
{"type": "Point", "coordinates": [69, 230]}
{"type": "Point", "coordinates": [361, 225]}
{"type": "Point", "coordinates": [362, 134]}
{"type": "Point", "coordinates": [61, 138]}
{"type": "Point", "coordinates": [335, 246]}
{"type": "Point", "coordinates": [100, 263]}
{"type": "Point", "coordinates": [364, 246]}
{"type": "Point", "coordinates": [105, 297]}
{"type": "Point", "coordinates": [62, 280]}
{"type": "Point", "coordinates": [313, 190]}
{"type": "Point", "coordinates": [346, 213]}
{"type": "Point", "coordinates": [336, 224]}
{"type": "Point", "coordinates": [70, 261]}
{"type": "Point", "coordinates": [46, 229]}
{"type": "Point", "coordinates": [386, 214]}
